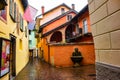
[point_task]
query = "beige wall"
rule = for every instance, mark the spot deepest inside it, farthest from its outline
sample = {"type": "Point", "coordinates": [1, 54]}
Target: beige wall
{"type": "Point", "coordinates": [105, 24]}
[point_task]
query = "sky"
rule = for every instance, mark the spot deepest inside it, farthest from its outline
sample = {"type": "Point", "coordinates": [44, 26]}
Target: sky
{"type": "Point", "coordinates": [49, 4]}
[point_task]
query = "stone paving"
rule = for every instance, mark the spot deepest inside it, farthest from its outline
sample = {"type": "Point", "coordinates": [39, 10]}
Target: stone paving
{"type": "Point", "coordinates": [39, 70]}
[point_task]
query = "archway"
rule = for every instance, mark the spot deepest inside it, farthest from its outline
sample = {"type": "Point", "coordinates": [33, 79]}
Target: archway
{"type": "Point", "coordinates": [70, 31]}
{"type": "Point", "coordinates": [56, 37]}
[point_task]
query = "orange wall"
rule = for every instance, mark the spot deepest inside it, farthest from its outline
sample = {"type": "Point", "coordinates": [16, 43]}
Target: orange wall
{"type": "Point", "coordinates": [82, 17]}
{"type": "Point", "coordinates": [62, 53]}
{"type": "Point", "coordinates": [56, 23]}
{"type": "Point", "coordinates": [85, 39]}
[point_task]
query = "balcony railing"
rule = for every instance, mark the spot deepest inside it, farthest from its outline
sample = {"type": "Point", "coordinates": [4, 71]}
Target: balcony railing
{"type": "Point", "coordinates": [74, 36]}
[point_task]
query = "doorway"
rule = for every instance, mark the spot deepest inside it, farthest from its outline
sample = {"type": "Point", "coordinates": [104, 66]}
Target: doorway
{"type": "Point", "coordinates": [12, 57]}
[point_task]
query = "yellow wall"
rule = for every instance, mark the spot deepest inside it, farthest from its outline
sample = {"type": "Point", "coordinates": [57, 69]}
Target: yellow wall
{"type": "Point", "coordinates": [8, 28]}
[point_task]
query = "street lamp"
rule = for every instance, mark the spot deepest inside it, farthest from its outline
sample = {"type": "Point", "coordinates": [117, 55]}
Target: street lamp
{"type": "Point", "coordinates": [3, 3]}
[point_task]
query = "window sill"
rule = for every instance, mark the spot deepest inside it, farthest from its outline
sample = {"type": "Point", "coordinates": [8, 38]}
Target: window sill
{"type": "Point", "coordinates": [3, 20]}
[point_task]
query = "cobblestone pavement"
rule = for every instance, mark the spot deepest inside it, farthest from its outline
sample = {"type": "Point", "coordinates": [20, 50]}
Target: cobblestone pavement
{"type": "Point", "coordinates": [39, 70]}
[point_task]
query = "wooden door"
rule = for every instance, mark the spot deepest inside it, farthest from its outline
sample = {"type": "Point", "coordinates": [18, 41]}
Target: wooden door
{"type": "Point", "coordinates": [12, 57]}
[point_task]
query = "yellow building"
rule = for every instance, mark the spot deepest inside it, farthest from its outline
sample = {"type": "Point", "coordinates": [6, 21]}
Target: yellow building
{"type": "Point", "coordinates": [14, 28]}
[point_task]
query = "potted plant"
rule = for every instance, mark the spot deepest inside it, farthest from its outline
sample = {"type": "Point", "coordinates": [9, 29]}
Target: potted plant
{"type": "Point", "coordinates": [76, 56]}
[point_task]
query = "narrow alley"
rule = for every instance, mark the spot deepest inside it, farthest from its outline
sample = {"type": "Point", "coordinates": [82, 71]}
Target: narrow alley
{"type": "Point", "coordinates": [39, 70]}
{"type": "Point", "coordinates": [59, 39]}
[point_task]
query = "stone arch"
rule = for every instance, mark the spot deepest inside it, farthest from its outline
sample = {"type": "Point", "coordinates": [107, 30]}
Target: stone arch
{"type": "Point", "coordinates": [69, 32]}
{"type": "Point", "coordinates": [56, 37]}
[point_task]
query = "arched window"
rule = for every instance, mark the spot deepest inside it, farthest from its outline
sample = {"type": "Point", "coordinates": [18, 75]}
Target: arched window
{"type": "Point", "coordinates": [70, 31]}
{"type": "Point", "coordinates": [56, 37]}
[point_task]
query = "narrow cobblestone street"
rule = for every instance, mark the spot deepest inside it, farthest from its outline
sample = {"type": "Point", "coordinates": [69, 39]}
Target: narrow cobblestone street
{"type": "Point", "coordinates": [39, 70]}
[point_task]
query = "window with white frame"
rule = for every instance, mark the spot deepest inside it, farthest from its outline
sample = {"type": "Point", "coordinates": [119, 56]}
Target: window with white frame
{"type": "Point", "coordinates": [62, 10]}
{"type": "Point", "coordinates": [69, 17]}
{"type": "Point", "coordinates": [85, 27]}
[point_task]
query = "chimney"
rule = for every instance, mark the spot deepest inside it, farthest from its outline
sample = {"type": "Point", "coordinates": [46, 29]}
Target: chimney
{"type": "Point", "coordinates": [42, 9]}
{"type": "Point", "coordinates": [73, 6]}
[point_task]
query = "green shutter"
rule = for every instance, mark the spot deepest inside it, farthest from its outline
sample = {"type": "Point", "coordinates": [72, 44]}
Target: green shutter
{"type": "Point", "coordinates": [15, 13]}
{"type": "Point", "coordinates": [26, 31]}
{"type": "Point", "coordinates": [10, 9]}
{"type": "Point", "coordinates": [21, 23]}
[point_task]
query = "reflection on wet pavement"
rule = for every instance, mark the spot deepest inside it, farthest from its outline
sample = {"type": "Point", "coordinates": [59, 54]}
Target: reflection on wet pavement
{"type": "Point", "coordinates": [39, 70]}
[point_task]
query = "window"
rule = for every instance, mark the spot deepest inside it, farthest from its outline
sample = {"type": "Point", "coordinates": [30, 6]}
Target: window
{"type": "Point", "coordinates": [85, 27]}
{"type": "Point", "coordinates": [18, 21]}
{"type": "Point", "coordinates": [56, 37]}
{"type": "Point", "coordinates": [3, 14]}
{"type": "Point", "coordinates": [30, 41]}
{"type": "Point", "coordinates": [62, 10]}
{"type": "Point", "coordinates": [29, 32]}
{"type": "Point", "coordinates": [69, 17]}
{"type": "Point", "coordinates": [21, 23]}
{"type": "Point", "coordinates": [13, 10]}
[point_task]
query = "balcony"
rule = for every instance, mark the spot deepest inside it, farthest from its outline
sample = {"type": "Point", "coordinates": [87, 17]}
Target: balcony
{"type": "Point", "coordinates": [77, 36]}
{"type": "Point", "coordinates": [70, 36]}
